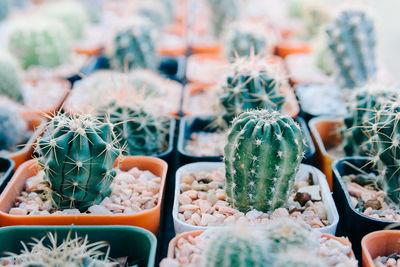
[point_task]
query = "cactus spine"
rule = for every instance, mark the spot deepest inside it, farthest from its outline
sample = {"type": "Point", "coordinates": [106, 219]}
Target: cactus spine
{"type": "Point", "coordinates": [78, 155]}
{"type": "Point", "coordinates": [262, 157]}
{"type": "Point", "coordinates": [253, 85]}
{"type": "Point", "coordinates": [13, 129]}
{"type": "Point", "coordinates": [10, 82]}
{"type": "Point", "coordinates": [351, 39]}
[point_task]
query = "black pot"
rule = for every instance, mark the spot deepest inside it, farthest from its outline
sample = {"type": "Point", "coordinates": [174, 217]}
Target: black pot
{"type": "Point", "coordinates": [6, 170]}
{"type": "Point", "coordinates": [309, 148]}
{"type": "Point", "coordinates": [352, 223]}
{"type": "Point", "coordinates": [94, 63]}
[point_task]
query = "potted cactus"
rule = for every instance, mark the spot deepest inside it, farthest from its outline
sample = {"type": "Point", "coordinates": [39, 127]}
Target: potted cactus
{"type": "Point", "coordinates": [206, 194]}
{"type": "Point", "coordinates": [279, 243]}
{"type": "Point", "coordinates": [77, 246]}
{"type": "Point", "coordinates": [78, 180]}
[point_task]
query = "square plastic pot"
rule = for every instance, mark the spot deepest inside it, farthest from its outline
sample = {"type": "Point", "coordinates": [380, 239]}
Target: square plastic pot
{"type": "Point", "coordinates": [148, 219]}
{"type": "Point", "coordinates": [319, 178]}
{"type": "Point", "coordinates": [138, 244]}
{"type": "Point", "coordinates": [379, 243]}
{"type": "Point", "coordinates": [6, 171]}
{"type": "Point", "coordinates": [324, 134]}
{"type": "Point", "coordinates": [352, 223]}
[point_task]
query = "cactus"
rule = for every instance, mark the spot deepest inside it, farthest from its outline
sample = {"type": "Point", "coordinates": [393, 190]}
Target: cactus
{"type": "Point", "coordinates": [10, 82]}
{"type": "Point", "coordinates": [253, 85]}
{"type": "Point", "coordinates": [241, 247]}
{"type": "Point", "coordinates": [13, 129]}
{"type": "Point", "coordinates": [299, 258]}
{"type": "Point", "coordinates": [262, 157]}
{"type": "Point", "coordinates": [4, 9]}
{"type": "Point", "coordinates": [351, 39]}
{"type": "Point", "coordinates": [141, 132]}
{"type": "Point", "coordinates": [244, 39]}
{"type": "Point", "coordinates": [361, 114]}
{"type": "Point", "coordinates": [78, 155]}
{"type": "Point", "coordinates": [71, 13]}
{"type": "Point", "coordinates": [35, 41]}
{"type": "Point", "coordinates": [47, 251]}
{"type": "Point", "coordinates": [148, 82]}
{"type": "Point", "coordinates": [135, 47]}
{"type": "Point", "coordinates": [223, 12]}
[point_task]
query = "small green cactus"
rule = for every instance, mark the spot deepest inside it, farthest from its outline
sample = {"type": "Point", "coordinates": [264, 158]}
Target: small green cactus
{"type": "Point", "coordinates": [78, 155]}
{"type": "Point", "coordinates": [262, 157]}
{"type": "Point", "coordinates": [351, 39]}
{"type": "Point", "coordinates": [42, 42]}
{"type": "Point", "coordinates": [135, 47]}
{"type": "Point", "coordinates": [141, 132]}
{"type": "Point", "coordinates": [253, 84]}
{"type": "Point", "coordinates": [223, 12]}
{"type": "Point", "coordinates": [13, 129]}
{"type": "Point", "coordinates": [10, 82]}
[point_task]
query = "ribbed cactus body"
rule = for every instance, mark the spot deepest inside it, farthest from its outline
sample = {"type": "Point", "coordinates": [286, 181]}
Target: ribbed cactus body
{"type": "Point", "coordinates": [223, 12]}
{"type": "Point", "coordinates": [10, 82]}
{"type": "Point", "coordinates": [262, 157]}
{"type": "Point", "coordinates": [78, 156]}
{"type": "Point", "coordinates": [12, 129]}
{"type": "Point", "coordinates": [142, 133]}
{"type": "Point", "coordinates": [39, 42]}
{"type": "Point", "coordinates": [251, 86]}
{"type": "Point", "coordinates": [135, 47]}
{"type": "Point", "coordinates": [351, 39]}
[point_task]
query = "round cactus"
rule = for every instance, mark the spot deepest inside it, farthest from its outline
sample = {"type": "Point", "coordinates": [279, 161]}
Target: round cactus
{"type": "Point", "coordinates": [147, 82]}
{"type": "Point", "coordinates": [35, 41]}
{"type": "Point", "coordinates": [10, 82]}
{"type": "Point", "coordinates": [13, 129]}
{"type": "Point", "coordinates": [351, 39]}
{"type": "Point", "coordinates": [78, 155]}
{"type": "Point", "coordinates": [262, 157]}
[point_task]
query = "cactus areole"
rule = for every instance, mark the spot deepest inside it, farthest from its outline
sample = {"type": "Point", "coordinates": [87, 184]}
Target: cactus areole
{"type": "Point", "coordinates": [262, 157]}
{"type": "Point", "coordinates": [78, 156]}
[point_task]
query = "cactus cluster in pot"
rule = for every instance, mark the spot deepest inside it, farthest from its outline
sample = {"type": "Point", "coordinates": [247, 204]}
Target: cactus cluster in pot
{"type": "Point", "coordinates": [262, 157]}
{"type": "Point", "coordinates": [352, 40]}
{"type": "Point", "coordinates": [252, 84]}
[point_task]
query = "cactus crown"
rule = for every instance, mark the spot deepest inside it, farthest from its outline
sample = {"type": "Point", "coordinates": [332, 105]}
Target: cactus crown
{"type": "Point", "coordinates": [75, 251]}
{"type": "Point", "coordinates": [351, 39]}
{"type": "Point", "coordinates": [77, 156]}
{"type": "Point", "coordinates": [10, 82]}
{"type": "Point", "coordinates": [262, 157]}
{"type": "Point", "coordinates": [13, 129]}
{"type": "Point", "coordinates": [252, 84]}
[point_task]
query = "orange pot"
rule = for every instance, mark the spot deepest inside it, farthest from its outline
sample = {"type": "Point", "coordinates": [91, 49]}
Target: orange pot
{"type": "Point", "coordinates": [88, 50]}
{"type": "Point", "coordinates": [325, 136]}
{"type": "Point", "coordinates": [379, 243]}
{"type": "Point", "coordinates": [36, 125]}
{"type": "Point", "coordinates": [286, 48]}
{"type": "Point", "coordinates": [148, 219]}
{"type": "Point", "coordinates": [207, 48]}
{"type": "Point", "coordinates": [186, 235]}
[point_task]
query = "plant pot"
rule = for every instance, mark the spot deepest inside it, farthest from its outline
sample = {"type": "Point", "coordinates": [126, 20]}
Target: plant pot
{"type": "Point", "coordinates": [309, 148]}
{"type": "Point", "coordinates": [206, 48]}
{"type": "Point", "coordinates": [36, 125]}
{"type": "Point", "coordinates": [173, 67]}
{"type": "Point", "coordinates": [6, 171]}
{"type": "Point", "coordinates": [148, 219]}
{"type": "Point", "coordinates": [379, 243]}
{"type": "Point", "coordinates": [205, 69]}
{"type": "Point", "coordinates": [324, 134]}
{"type": "Point", "coordinates": [319, 178]}
{"type": "Point", "coordinates": [124, 241]}
{"type": "Point", "coordinates": [286, 48]}
{"type": "Point", "coordinates": [353, 224]}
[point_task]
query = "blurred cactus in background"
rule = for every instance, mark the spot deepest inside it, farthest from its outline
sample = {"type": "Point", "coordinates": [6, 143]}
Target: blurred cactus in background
{"type": "Point", "coordinates": [13, 129]}
{"type": "Point", "coordinates": [223, 12]}
{"type": "Point", "coordinates": [10, 81]}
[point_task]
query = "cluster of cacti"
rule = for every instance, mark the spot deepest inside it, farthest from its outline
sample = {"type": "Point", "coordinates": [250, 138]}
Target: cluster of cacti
{"type": "Point", "coordinates": [43, 42]}
{"type": "Point", "coordinates": [223, 12]}
{"type": "Point", "coordinates": [361, 111]}
{"type": "Point", "coordinates": [262, 157]}
{"type": "Point", "coordinates": [71, 13]}
{"type": "Point", "coordinates": [13, 129]}
{"type": "Point", "coordinates": [10, 82]}
{"type": "Point", "coordinates": [77, 156]}
{"type": "Point", "coordinates": [135, 47]}
{"type": "Point", "coordinates": [351, 39]}
{"type": "Point", "coordinates": [244, 40]}
{"type": "Point", "coordinates": [141, 132]}
{"type": "Point", "coordinates": [72, 251]}
{"type": "Point", "coordinates": [252, 85]}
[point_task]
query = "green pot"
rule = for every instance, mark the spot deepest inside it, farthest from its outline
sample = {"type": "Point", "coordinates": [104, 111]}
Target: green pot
{"type": "Point", "coordinates": [138, 244]}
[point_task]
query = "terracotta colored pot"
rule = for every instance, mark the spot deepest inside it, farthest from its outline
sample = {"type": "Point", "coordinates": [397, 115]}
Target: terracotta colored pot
{"type": "Point", "coordinates": [148, 219]}
{"type": "Point", "coordinates": [90, 51]}
{"type": "Point", "coordinates": [207, 48]}
{"type": "Point", "coordinates": [324, 134]}
{"type": "Point", "coordinates": [379, 243]}
{"type": "Point", "coordinates": [174, 241]}
{"type": "Point", "coordinates": [36, 125]}
{"type": "Point", "coordinates": [286, 48]}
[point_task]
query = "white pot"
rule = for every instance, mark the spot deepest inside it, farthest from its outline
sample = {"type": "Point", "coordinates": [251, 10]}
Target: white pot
{"type": "Point", "coordinates": [319, 178]}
